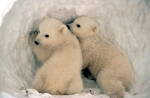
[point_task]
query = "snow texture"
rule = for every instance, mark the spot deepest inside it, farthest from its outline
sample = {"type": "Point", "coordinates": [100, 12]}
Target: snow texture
{"type": "Point", "coordinates": [123, 22]}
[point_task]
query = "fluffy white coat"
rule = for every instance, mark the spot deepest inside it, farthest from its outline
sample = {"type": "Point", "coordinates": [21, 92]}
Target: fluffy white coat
{"type": "Point", "coordinates": [59, 51]}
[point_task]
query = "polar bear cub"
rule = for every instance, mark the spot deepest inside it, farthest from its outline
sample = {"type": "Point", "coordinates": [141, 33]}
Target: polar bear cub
{"type": "Point", "coordinates": [110, 67]}
{"type": "Point", "coordinates": [61, 69]}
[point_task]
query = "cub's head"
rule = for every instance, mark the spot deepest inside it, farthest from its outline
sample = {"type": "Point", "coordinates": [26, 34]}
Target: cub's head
{"type": "Point", "coordinates": [83, 27]}
{"type": "Point", "coordinates": [50, 33]}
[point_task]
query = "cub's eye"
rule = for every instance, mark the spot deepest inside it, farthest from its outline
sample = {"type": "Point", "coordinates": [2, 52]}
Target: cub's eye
{"type": "Point", "coordinates": [78, 25]}
{"type": "Point", "coordinates": [47, 36]}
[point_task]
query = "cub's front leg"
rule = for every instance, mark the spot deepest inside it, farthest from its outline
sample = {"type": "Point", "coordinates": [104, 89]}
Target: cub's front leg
{"type": "Point", "coordinates": [110, 84]}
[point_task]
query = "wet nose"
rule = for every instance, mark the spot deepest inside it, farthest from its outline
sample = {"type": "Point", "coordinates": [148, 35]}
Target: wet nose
{"type": "Point", "coordinates": [68, 26]}
{"type": "Point", "coordinates": [36, 42]}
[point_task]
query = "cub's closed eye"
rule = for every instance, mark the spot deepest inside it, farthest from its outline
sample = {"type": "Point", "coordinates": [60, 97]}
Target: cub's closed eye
{"type": "Point", "coordinates": [78, 25]}
{"type": "Point", "coordinates": [47, 36]}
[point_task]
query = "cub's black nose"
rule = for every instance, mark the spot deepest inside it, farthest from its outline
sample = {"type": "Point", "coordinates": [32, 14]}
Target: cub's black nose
{"type": "Point", "coordinates": [68, 26]}
{"type": "Point", "coordinates": [36, 42]}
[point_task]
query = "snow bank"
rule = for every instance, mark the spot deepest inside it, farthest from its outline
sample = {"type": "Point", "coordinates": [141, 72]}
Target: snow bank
{"type": "Point", "coordinates": [124, 22]}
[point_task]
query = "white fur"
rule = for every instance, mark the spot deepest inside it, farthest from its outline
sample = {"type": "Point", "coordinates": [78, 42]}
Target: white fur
{"type": "Point", "coordinates": [61, 59]}
{"type": "Point", "coordinates": [124, 22]}
{"type": "Point", "coordinates": [110, 67]}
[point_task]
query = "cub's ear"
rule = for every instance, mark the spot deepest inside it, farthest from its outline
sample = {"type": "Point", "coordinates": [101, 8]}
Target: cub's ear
{"type": "Point", "coordinates": [63, 29]}
{"type": "Point", "coordinates": [95, 29]}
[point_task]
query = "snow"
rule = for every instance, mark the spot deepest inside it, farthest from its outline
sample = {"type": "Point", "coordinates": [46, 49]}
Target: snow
{"type": "Point", "coordinates": [4, 7]}
{"type": "Point", "coordinates": [34, 94]}
{"type": "Point", "coordinates": [123, 22]}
